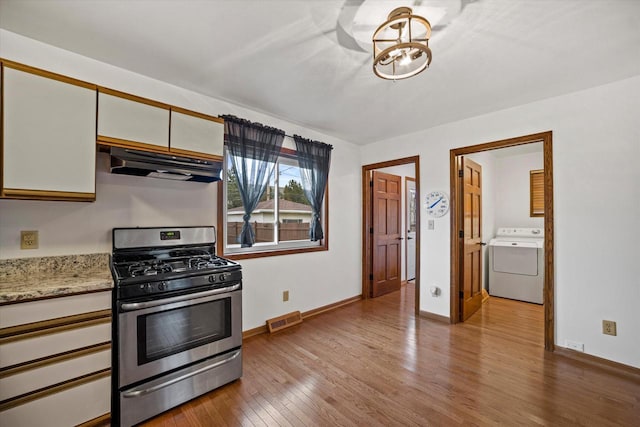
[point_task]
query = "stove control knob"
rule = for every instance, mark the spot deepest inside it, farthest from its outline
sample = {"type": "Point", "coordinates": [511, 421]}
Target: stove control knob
{"type": "Point", "coordinates": [162, 286]}
{"type": "Point", "coordinates": [212, 279]}
{"type": "Point", "coordinates": [223, 277]}
{"type": "Point", "coordinates": [148, 288]}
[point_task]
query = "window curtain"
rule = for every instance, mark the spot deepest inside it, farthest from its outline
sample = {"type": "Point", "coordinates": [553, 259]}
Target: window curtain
{"type": "Point", "coordinates": [314, 158]}
{"type": "Point", "coordinates": [253, 149]}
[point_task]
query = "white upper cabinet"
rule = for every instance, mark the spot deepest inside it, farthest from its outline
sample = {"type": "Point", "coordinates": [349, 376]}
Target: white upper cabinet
{"type": "Point", "coordinates": [196, 133]}
{"type": "Point", "coordinates": [130, 121]}
{"type": "Point", "coordinates": [49, 135]}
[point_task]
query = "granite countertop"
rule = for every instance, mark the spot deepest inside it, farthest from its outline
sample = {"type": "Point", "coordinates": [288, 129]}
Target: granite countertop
{"type": "Point", "coordinates": [26, 279]}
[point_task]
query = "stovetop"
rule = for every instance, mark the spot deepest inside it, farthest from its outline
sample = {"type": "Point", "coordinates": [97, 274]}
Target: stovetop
{"type": "Point", "coordinates": [129, 266]}
{"type": "Point", "coordinates": [169, 271]}
{"type": "Point", "coordinates": [157, 261]}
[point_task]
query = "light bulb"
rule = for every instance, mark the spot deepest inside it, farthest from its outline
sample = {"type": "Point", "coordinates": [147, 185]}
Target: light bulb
{"type": "Point", "coordinates": [406, 59]}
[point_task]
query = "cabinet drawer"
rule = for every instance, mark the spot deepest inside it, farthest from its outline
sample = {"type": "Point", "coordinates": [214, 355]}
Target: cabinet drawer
{"type": "Point", "coordinates": [36, 311]}
{"type": "Point", "coordinates": [132, 122]}
{"type": "Point", "coordinates": [66, 408]}
{"type": "Point", "coordinates": [25, 350]}
{"type": "Point", "coordinates": [48, 375]}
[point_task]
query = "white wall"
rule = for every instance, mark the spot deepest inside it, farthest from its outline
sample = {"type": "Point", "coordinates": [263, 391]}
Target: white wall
{"type": "Point", "coordinates": [404, 171]}
{"type": "Point", "coordinates": [512, 190]}
{"type": "Point", "coordinates": [596, 206]}
{"type": "Point", "coordinates": [122, 201]}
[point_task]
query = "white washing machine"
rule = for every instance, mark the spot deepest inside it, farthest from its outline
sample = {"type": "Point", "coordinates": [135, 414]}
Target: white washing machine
{"type": "Point", "coordinates": [516, 264]}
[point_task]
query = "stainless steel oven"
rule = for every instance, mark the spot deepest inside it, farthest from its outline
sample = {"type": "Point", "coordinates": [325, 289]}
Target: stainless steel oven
{"type": "Point", "coordinates": [160, 335]}
{"type": "Point", "coordinates": [178, 320]}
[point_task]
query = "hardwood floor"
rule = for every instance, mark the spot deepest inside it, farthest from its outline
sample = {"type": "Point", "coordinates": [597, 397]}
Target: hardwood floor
{"type": "Point", "coordinates": [373, 363]}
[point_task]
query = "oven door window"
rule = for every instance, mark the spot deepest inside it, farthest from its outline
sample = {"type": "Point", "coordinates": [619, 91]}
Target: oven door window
{"type": "Point", "coordinates": [173, 331]}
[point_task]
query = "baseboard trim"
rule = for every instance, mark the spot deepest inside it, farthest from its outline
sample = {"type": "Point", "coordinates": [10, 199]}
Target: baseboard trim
{"type": "Point", "coordinates": [598, 362]}
{"type": "Point", "coordinates": [255, 331]}
{"type": "Point", "coordinates": [307, 314]}
{"type": "Point", "coordinates": [101, 421]}
{"type": "Point", "coordinates": [330, 307]}
{"type": "Point", "coordinates": [436, 317]}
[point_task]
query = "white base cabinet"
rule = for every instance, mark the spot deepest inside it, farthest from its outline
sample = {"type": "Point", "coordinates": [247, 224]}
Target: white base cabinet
{"type": "Point", "coordinates": [55, 360]}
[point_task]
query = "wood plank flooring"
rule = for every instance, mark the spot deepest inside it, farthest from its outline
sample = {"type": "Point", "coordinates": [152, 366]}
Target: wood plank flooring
{"type": "Point", "coordinates": [373, 363]}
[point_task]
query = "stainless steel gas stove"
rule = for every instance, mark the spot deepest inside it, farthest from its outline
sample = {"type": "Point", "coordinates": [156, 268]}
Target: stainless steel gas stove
{"type": "Point", "coordinates": [177, 319]}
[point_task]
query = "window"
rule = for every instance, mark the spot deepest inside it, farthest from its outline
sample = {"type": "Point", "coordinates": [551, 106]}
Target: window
{"type": "Point", "coordinates": [536, 192]}
{"type": "Point", "coordinates": [282, 217]}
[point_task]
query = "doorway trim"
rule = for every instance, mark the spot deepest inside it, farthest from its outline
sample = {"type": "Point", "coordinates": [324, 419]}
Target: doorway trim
{"type": "Point", "coordinates": [548, 292]}
{"type": "Point", "coordinates": [407, 180]}
{"type": "Point", "coordinates": [367, 241]}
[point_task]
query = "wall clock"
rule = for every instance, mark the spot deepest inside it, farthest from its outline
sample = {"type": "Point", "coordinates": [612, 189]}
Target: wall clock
{"type": "Point", "coordinates": [437, 204]}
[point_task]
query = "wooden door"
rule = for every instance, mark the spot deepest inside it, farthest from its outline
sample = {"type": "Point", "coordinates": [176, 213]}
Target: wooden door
{"type": "Point", "coordinates": [386, 221]}
{"type": "Point", "coordinates": [471, 257]}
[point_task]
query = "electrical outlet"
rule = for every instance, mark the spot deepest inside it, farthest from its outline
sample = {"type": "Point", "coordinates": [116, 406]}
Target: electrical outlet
{"type": "Point", "coordinates": [574, 345]}
{"type": "Point", "coordinates": [285, 296]}
{"type": "Point", "coordinates": [609, 327]}
{"type": "Point", "coordinates": [29, 239]}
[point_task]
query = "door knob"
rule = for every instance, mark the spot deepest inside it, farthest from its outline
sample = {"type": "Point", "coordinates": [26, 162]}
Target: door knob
{"type": "Point", "coordinates": [409, 238]}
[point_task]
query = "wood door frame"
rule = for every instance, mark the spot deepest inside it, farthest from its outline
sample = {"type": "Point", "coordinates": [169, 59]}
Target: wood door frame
{"type": "Point", "coordinates": [548, 292]}
{"type": "Point", "coordinates": [367, 241]}
{"type": "Point", "coordinates": [408, 179]}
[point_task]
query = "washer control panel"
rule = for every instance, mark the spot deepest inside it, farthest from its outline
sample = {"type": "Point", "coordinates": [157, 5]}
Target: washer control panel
{"type": "Point", "coordinates": [520, 232]}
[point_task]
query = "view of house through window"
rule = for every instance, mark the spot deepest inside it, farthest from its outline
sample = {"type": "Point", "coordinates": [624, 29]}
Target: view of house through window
{"type": "Point", "coordinates": [282, 216]}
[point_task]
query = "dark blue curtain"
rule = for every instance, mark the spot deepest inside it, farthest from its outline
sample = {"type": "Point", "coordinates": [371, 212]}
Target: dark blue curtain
{"type": "Point", "coordinates": [253, 149]}
{"type": "Point", "coordinates": [314, 159]}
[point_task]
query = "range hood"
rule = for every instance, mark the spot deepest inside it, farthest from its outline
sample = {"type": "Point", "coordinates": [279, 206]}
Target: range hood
{"type": "Point", "coordinates": [126, 161]}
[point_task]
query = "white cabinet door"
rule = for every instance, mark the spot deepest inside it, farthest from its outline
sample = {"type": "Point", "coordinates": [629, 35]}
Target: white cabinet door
{"type": "Point", "coordinates": [126, 120]}
{"type": "Point", "coordinates": [51, 308]}
{"type": "Point", "coordinates": [49, 148]}
{"type": "Point", "coordinates": [196, 133]}
{"type": "Point", "coordinates": [70, 407]}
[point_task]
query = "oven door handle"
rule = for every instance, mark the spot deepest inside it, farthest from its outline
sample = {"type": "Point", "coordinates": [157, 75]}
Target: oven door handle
{"type": "Point", "coordinates": [140, 305]}
{"type": "Point", "coordinates": [141, 392]}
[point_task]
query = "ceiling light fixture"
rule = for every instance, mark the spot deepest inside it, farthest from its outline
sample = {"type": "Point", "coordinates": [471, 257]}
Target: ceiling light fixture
{"type": "Point", "coordinates": [401, 45]}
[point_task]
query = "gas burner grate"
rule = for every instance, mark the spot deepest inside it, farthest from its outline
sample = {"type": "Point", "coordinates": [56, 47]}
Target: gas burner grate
{"type": "Point", "coordinates": [149, 269]}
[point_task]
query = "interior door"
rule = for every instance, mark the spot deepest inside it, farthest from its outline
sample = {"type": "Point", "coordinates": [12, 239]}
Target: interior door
{"type": "Point", "coordinates": [471, 257]}
{"type": "Point", "coordinates": [411, 227]}
{"type": "Point", "coordinates": [387, 233]}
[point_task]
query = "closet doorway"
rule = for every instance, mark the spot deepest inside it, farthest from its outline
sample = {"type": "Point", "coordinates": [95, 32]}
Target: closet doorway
{"type": "Point", "coordinates": [387, 226]}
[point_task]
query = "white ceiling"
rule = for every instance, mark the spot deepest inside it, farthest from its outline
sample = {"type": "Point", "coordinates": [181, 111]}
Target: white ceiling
{"type": "Point", "coordinates": [290, 58]}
